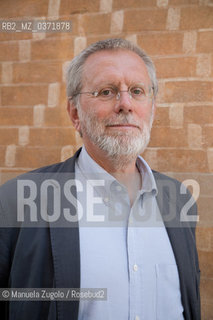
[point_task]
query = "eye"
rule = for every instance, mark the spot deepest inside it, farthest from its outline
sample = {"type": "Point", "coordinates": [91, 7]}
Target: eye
{"type": "Point", "coordinates": [106, 93]}
{"type": "Point", "coordinates": [137, 91]}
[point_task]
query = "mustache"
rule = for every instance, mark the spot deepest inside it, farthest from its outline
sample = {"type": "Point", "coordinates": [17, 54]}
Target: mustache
{"type": "Point", "coordinates": [121, 119]}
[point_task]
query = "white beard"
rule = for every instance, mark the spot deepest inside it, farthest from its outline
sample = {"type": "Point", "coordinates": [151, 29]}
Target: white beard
{"type": "Point", "coordinates": [121, 147]}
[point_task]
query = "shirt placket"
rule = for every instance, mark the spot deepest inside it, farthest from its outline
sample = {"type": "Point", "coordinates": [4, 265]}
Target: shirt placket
{"type": "Point", "coordinates": [135, 272]}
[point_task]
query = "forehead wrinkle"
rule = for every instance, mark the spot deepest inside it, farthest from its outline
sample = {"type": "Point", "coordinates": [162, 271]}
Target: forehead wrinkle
{"type": "Point", "coordinates": [113, 80]}
{"type": "Point", "coordinates": [109, 67]}
{"type": "Point", "coordinates": [108, 77]}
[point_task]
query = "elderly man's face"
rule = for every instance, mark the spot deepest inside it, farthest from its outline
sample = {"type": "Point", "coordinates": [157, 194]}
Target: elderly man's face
{"type": "Point", "coordinates": [117, 126]}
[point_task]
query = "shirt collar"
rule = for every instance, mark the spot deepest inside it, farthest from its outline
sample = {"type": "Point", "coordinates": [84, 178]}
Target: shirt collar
{"type": "Point", "coordinates": [92, 170]}
{"type": "Point", "coordinates": [149, 183]}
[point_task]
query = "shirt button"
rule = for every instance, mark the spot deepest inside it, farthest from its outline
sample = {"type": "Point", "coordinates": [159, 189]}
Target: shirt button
{"type": "Point", "coordinates": [135, 268]}
{"type": "Point", "coordinates": [118, 188]}
{"type": "Point", "coordinates": [137, 318]}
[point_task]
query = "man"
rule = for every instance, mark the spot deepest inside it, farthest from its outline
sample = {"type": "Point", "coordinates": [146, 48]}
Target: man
{"type": "Point", "coordinates": [131, 240]}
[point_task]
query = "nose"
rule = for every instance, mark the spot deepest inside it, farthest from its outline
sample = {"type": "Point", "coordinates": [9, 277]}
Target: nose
{"type": "Point", "coordinates": [123, 102]}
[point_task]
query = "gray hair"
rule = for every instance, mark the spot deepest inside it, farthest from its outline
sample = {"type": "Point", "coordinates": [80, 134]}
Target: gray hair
{"type": "Point", "coordinates": [75, 69]}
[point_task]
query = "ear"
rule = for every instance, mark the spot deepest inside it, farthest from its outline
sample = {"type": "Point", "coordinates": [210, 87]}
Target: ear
{"type": "Point", "coordinates": [73, 114]}
{"type": "Point", "coordinates": [154, 108]}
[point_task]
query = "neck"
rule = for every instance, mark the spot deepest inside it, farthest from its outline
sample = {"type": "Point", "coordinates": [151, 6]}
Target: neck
{"type": "Point", "coordinates": [119, 165]}
{"type": "Point", "coordinates": [123, 168]}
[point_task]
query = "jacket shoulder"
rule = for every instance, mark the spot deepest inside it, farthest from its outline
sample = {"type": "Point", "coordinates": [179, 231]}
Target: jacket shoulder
{"type": "Point", "coordinates": [161, 176]}
{"type": "Point", "coordinates": [65, 166]}
{"type": "Point", "coordinates": [60, 167]}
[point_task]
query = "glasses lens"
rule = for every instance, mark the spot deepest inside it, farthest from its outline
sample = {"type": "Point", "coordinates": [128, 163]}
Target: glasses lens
{"type": "Point", "coordinates": [139, 92]}
{"type": "Point", "coordinates": [107, 93]}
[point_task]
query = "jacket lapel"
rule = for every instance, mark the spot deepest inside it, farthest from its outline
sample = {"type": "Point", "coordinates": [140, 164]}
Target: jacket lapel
{"type": "Point", "coordinates": [66, 252]}
{"type": "Point", "coordinates": [181, 238]}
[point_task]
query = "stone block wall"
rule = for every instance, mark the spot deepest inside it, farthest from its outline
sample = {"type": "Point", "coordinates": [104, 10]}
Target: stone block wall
{"type": "Point", "coordinates": [178, 34]}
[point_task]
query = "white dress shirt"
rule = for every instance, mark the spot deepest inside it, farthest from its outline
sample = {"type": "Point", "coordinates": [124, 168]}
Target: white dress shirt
{"type": "Point", "coordinates": [125, 249]}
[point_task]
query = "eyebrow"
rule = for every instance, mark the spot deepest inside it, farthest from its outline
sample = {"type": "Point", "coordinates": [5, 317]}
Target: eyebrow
{"type": "Point", "coordinates": [115, 85]}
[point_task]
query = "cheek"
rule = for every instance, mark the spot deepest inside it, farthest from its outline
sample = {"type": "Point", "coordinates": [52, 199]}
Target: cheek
{"type": "Point", "coordinates": [101, 112]}
{"type": "Point", "coordinates": [144, 114]}
{"type": "Point", "coordinates": [94, 107]}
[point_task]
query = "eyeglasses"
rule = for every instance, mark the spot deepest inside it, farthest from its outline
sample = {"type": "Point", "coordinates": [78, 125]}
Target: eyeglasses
{"type": "Point", "coordinates": [136, 92]}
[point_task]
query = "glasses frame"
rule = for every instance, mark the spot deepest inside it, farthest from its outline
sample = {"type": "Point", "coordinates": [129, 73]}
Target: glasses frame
{"type": "Point", "coordinates": [96, 93]}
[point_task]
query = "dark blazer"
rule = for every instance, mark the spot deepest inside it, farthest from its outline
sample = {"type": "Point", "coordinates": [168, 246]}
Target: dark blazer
{"type": "Point", "coordinates": [49, 257]}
